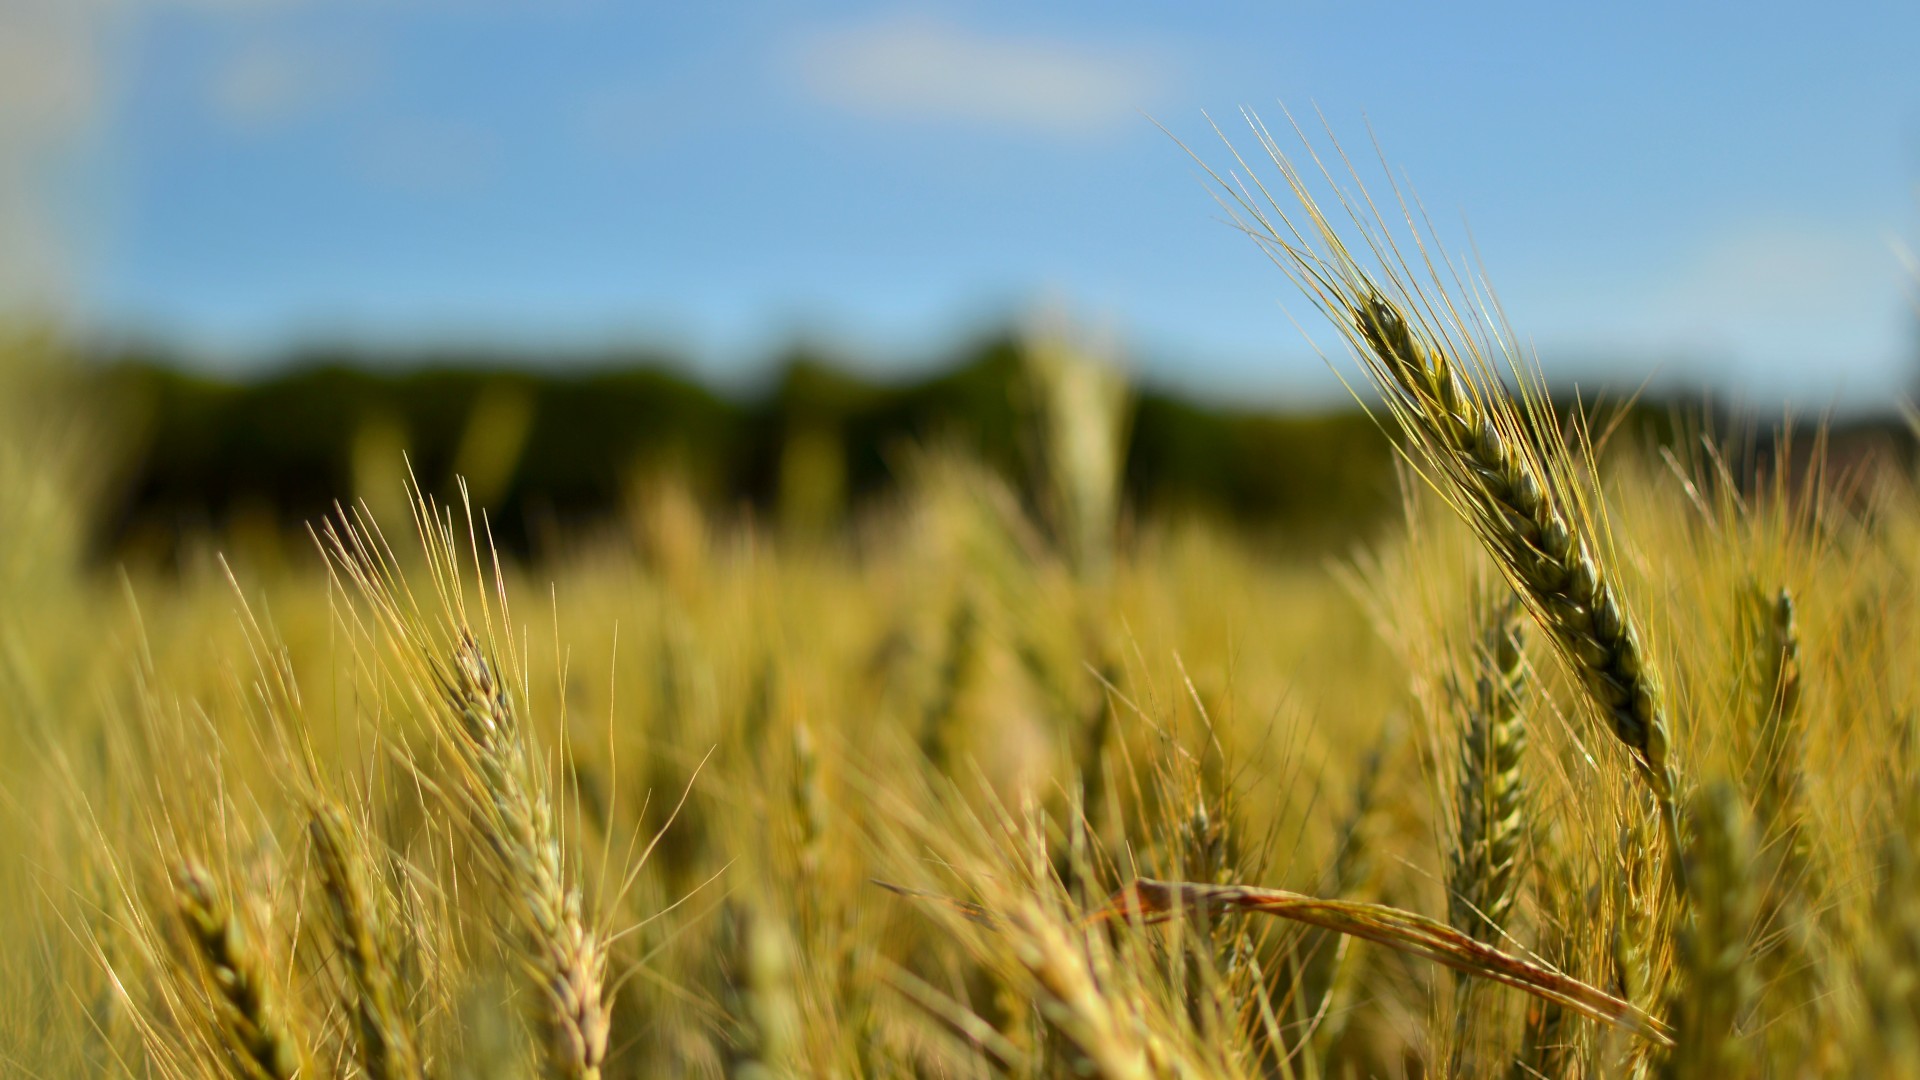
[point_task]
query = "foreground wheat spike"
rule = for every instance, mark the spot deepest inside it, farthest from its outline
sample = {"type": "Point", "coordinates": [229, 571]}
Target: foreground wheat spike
{"type": "Point", "coordinates": [515, 819]}
{"type": "Point", "coordinates": [251, 1022]}
{"type": "Point", "coordinates": [1716, 981]}
{"type": "Point", "coordinates": [1476, 445]}
{"type": "Point", "coordinates": [1484, 879]}
{"type": "Point", "coordinates": [385, 1033]}
{"type": "Point", "coordinates": [1467, 429]}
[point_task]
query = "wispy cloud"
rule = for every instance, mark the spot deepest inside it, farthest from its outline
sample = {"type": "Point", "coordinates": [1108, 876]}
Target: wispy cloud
{"type": "Point", "coordinates": [268, 83]}
{"type": "Point", "coordinates": [1776, 267]}
{"type": "Point", "coordinates": [916, 68]}
{"type": "Point", "coordinates": [427, 156]}
{"type": "Point", "coordinates": [1770, 305]}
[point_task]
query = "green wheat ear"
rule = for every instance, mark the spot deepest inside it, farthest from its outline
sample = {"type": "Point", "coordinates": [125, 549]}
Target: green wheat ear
{"type": "Point", "coordinates": [1483, 880]}
{"type": "Point", "coordinates": [1471, 434]}
{"type": "Point", "coordinates": [1490, 824]}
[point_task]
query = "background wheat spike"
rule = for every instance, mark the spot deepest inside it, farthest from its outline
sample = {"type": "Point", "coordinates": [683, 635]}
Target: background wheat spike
{"type": "Point", "coordinates": [1716, 979]}
{"type": "Point", "coordinates": [1484, 865]}
{"type": "Point", "coordinates": [247, 1011]}
{"type": "Point", "coordinates": [385, 1041]}
{"type": "Point", "coordinates": [1484, 875]}
{"type": "Point", "coordinates": [1774, 685]}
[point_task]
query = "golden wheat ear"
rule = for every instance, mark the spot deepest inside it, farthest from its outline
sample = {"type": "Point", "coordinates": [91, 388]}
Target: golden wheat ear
{"type": "Point", "coordinates": [250, 1019]}
{"type": "Point", "coordinates": [506, 796]}
{"type": "Point", "coordinates": [489, 772]}
{"type": "Point", "coordinates": [384, 1034]}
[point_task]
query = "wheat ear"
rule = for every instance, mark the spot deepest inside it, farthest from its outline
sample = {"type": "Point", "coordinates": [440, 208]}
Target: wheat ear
{"type": "Point", "coordinates": [386, 1043]}
{"type": "Point", "coordinates": [1471, 434]}
{"type": "Point", "coordinates": [515, 819]}
{"type": "Point", "coordinates": [1477, 446]}
{"type": "Point", "coordinates": [1114, 1043]}
{"type": "Point", "coordinates": [1716, 981]}
{"type": "Point", "coordinates": [1483, 872]}
{"type": "Point", "coordinates": [250, 1020]}
{"type": "Point", "coordinates": [1774, 685]}
{"type": "Point", "coordinates": [1483, 880]}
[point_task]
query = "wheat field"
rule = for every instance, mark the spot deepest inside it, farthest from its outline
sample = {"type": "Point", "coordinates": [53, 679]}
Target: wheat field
{"type": "Point", "coordinates": [1602, 761]}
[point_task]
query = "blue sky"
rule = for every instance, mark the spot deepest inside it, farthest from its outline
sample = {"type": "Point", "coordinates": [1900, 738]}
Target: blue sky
{"type": "Point", "coordinates": [1704, 192]}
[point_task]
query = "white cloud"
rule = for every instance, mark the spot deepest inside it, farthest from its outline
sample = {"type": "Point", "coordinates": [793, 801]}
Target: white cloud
{"type": "Point", "coordinates": [1769, 307]}
{"type": "Point", "coordinates": [268, 84]}
{"type": "Point", "coordinates": [921, 69]}
{"type": "Point", "coordinates": [1771, 269]}
{"type": "Point", "coordinates": [428, 156]}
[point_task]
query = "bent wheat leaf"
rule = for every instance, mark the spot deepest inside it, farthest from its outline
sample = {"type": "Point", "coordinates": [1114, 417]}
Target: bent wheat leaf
{"type": "Point", "coordinates": [1149, 901]}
